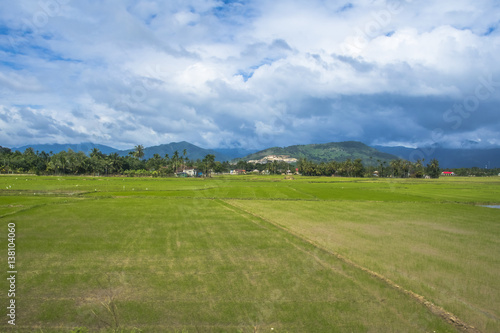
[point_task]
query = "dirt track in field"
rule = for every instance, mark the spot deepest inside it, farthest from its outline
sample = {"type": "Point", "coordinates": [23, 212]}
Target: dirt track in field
{"type": "Point", "coordinates": [434, 309]}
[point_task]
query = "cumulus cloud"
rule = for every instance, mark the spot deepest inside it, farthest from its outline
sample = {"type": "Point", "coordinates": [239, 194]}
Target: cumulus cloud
{"type": "Point", "coordinates": [249, 73]}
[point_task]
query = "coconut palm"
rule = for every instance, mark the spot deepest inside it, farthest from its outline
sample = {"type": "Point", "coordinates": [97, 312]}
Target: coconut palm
{"type": "Point", "coordinates": [208, 164]}
{"type": "Point", "coordinates": [139, 152]}
{"type": "Point", "coordinates": [96, 153]}
{"type": "Point", "coordinates": [175, 160]}
{"type": "Point", "coordinates": [433, 169]}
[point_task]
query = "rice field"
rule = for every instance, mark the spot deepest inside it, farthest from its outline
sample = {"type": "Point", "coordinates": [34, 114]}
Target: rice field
{"type": "Point", "coordinates": [252, 254]}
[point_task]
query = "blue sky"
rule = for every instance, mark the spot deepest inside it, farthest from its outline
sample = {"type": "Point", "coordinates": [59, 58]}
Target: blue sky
{"type": "Point", "coordinates": [250, 73]}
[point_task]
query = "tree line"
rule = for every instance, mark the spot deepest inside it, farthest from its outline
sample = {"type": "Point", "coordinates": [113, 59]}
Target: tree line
{"type": "Point", "coordinates": [354, 168]}
{"type": "Point", "coordinates": [96, 163]}
{"type": "Point", "coordinates": [475, 172]}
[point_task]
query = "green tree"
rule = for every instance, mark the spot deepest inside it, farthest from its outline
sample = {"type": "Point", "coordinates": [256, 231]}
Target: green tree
{"type": "Point", "coordinates": [242, 165]}
{"type": "Point", "coordinates": [154, 163]}
{"type": "Point", "coordinates": [433, 169]}
{"type": "Point", "coordinates": [138, 152]}
{"type": "Point", "coordinates": [419, 168]}
{"type": "Point", "coordinates": [218, 167]}
{"type": "Point", "coordinates": [358, 169]}
{"type": "Point", "coordinates": [272, 167]}
{"type": "Point", "coordinates": [208, 164]}
{"type": "Point", "coordinates": [61, 161]}
{"type": "Point", "coordinates": [30, 160]}
{"type": "Point", "coordinates": [116, 163]}
{"type": "Point", "coordinates": [395, 166]}
{"type": "Point", "coordinates": [96, 153]}
{"type": "Point", "coordinates": [306, 167]}
{"type": "Point", "coordinates": [175, 160]}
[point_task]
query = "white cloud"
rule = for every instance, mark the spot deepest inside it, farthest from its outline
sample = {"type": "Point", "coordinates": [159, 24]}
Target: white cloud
{"type": "Point", "coordinates": [257, 73]}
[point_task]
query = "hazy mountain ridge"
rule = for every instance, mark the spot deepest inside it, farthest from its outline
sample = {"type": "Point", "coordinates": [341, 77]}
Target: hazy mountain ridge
{"type": "Point", "coordinates": [447, 157]}
{"type": "Point", "coordinates": [192, 151]}
{"type": "Point", "coordinates": [55, 148]}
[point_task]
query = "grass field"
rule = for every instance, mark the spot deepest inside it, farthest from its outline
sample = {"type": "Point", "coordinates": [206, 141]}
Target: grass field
{"type": "Point", "coordinates": [252, 254]}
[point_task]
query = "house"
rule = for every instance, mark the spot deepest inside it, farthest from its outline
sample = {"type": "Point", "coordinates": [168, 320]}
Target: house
{"type": "Point", "coordinates": [274, 158]}
{"type": "Point", "coordinates": [447, 173]}
{"type": "Point", "coordinates": [191, 172]}
{"type": "Point", "coordinates": [238, 172]}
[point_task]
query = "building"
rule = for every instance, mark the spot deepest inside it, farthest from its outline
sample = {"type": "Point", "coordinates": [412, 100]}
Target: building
{"type": "Point", "coordinates": [191, 172]}
{"type": "Point", "coordinates": [273, 158]}
{"type": "Point", "coordinates": [447, 173]}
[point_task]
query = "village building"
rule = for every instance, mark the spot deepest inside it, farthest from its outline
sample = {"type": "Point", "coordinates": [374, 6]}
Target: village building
{"type": "Point", "coordinates": [273, 158]}
{"type": "Point", "coordinates": [191, 172]}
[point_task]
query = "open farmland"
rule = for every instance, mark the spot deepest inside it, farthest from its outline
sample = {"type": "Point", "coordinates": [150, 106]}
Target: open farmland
{"type": "Point", "coordinates": [253, 254]}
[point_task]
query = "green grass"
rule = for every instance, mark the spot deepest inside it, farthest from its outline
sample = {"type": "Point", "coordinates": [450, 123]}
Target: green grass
{"type": "Point", "coordinates": [448, 253]}
{"type": "Point", "coordinates": [245, 254]}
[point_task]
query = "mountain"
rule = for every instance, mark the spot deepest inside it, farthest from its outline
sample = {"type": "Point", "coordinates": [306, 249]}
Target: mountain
{"type": "Point", "coordinates": [333, 151]}
{"type": "Point", "coordinates": [86, 147]}
{"type": "Point", "coordinates": [193, 152]}
{"type": "Point", "coordinates": [449, 158]}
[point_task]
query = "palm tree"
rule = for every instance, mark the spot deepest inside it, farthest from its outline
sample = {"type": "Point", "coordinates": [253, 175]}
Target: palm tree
{"type": "Point", "coordinates": [433, 169]}
{"type": "Point", "coordinates": [175, 160]}
{"type": "Point", "coordinates": [95, 152]}
{"type": "Point", "coordinates": [208, 164]}
{"type": "Point", "coordinates": [396, 167]}
{"type": "Point", "coordinates": [139, 152]}
{"type": "Point", "coordinates": [381, 168]}
{"type": "Point", "coordinates": [420, 167]}
{"type": "Point", "coordinates": [108, 164]}
{"type": "Point", "coordinates": [184, 154]}
{"type": "Point", "coordinates": [406, 168]}
{"type": "Point", "coordinates": [116, 163]}
{"type": "Point", "coordinates": [72, 160]}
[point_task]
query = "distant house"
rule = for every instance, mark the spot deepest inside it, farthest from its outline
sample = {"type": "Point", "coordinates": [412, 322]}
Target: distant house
{"type": "Point", "coordinates": [447, 173]}
{"type": "Point", "coordinates": [238, 172]}
{"type": "Point", "coordinates": [191, 172]}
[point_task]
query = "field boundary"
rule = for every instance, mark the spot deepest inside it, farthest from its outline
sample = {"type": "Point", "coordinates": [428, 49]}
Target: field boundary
{"type": "Point", "coordinates": [433, 308]}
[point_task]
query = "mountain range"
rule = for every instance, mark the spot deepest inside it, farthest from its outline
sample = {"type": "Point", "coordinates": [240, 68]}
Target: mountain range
{"type": "Point", "coordinates": [55, 148]}
{"type": "Point", "coordinates": [449, 158]}
{"type": "Point", "coordinates": [339, 151]}
{"type": "Point", "coordinates": [193, 152]}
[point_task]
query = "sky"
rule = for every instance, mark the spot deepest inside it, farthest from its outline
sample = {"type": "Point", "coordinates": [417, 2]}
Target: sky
{"type": "Point", "coordinates": [250, 73]}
